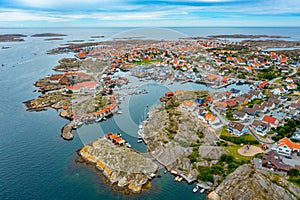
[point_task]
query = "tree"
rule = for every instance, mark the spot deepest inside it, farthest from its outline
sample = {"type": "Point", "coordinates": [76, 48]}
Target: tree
{"type": "Point", "coordinates": [293, 172]}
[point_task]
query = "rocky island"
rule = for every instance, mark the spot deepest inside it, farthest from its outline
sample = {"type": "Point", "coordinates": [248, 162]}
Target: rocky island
{"type": "Point", "coordinates": [12, 37]}
{"type": "Point", "coordinates": [247, 36]}
{"type": "Point", "coordinates": [48, 35]}
{"type": "Point", "coordinates": [120, 164]}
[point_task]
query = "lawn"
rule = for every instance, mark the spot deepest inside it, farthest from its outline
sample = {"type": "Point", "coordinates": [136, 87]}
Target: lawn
{"type": "Point", "coordinates": [233, 150]}
{"type": "Point", "coordinates": [146, 62]}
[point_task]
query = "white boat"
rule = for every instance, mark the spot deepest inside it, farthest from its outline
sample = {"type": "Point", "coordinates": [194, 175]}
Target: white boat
{"type": "Point", "coordinates": [119, 134]}
{"type": "Point", "coordinates": [140, 140]}
{"type": "Point", "coordinates": [152, 175]}
{"type": "Point", "coordinates": [176, 178]}
{"type": "Point", "coordinates": [98, 119]}
{"type": "Point", "coordinates": [196, 188]}
{"type": "Point", "coordinates": [119, 112]}
{"type": "Point", "coordinates": [128, 145]}
{"type": "Point", "coordinates": [78, 125]}
{"type": "Point", "coordinates": [202, 190]}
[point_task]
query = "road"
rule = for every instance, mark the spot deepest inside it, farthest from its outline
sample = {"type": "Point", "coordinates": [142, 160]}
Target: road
{"type": "Point", "coordinates": [278, 78]}
{"type": "Point", "coordinates": [221, 117]}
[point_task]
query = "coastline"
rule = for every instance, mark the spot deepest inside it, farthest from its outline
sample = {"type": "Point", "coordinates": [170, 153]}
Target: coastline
{"type": "Point", "coordinates": [122, 174]}
{"type": "Point", "coordinates": [133, 187]}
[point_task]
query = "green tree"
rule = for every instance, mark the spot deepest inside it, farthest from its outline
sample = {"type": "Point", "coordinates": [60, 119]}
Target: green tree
{"type": "Point", "coordinates": [293, 172]}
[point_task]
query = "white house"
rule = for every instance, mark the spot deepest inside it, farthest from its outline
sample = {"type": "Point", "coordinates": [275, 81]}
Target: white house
{"type": "Point", "coordinates": [278, 91]}
{"type": "Point", "coordinates": [285, 146]}
{"type": "Point", "coordinates": [260, 127]}
{"type": "Point", "coordinates": [292, 86]}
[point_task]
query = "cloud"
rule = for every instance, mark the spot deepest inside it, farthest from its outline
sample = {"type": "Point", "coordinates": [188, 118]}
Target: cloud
{"type": "Point", "coordinates": [21, 15]}
{"type": "Point", "coordinates": [188, 12]}
{"type": "Point", "coordinates": [67, 4]}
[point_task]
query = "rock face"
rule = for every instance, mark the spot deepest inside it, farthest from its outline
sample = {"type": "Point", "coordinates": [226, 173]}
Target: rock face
{"type": "Point", "coordinates": [120, 164]}
{"type": "Point", "coordinates": [173, 133]}
{"type": "Point", "coordinates": [248, 183]}
{"type": "Point", "coordinates": [212, 152]}
{"type": "Point", "coordinates": [66, 131]}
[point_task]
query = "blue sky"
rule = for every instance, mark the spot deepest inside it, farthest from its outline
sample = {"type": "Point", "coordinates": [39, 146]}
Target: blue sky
{"type": "Point", "coordinates": [155, 13]}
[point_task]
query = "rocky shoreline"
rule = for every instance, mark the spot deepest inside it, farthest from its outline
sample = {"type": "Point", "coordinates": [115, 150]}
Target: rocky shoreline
{"type": "Point", "coordinates": [246, 36]}
{"type": "Point", "coordinates": [120, 164]}
{"type": "Point", "coordinates": [263, 186]}
{"type": "Point", "coordinates": [263, 44]}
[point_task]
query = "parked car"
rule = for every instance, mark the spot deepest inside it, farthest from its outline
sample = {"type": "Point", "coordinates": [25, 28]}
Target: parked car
{"type": "Point", "coordinates": [289, 157]}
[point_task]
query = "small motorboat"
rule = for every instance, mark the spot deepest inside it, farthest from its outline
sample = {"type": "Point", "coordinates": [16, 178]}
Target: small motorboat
{"type": "Point", "coordinates": [140, 140]}
{"type": "Point", "coordinates": [98, 119]}
{"type": "Point", "coordinates": [196, 188]}
{"type": "Point", "coordinates": [176, 178]}
{"type": "Point", "coordinates": [179, 179]}
{"type": "Point", "coordinates": [128, 145]}
{"type": "Point", "coordinates": [202, 190]}
{"type": "Point", "coordinates": [119, 134]}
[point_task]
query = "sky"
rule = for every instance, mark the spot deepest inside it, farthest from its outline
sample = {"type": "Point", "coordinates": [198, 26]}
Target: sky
{"type": "Point", "coordinates": [149, 13]}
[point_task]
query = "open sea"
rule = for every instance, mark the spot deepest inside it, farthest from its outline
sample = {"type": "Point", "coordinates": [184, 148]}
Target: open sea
{"type": "Point", "coordinates": [35, 162]}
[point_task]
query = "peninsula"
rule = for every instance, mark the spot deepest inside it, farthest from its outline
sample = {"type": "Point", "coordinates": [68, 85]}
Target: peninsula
{"type": "Point", "coordinates": [120, 164]}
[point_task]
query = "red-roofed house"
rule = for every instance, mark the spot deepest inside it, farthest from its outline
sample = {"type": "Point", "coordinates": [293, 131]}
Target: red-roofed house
{"type": "Point", "coordinates": [55, 78]}
{"type": "Point", "coordinates": [263, 84]}
{"type": "Point", "coordinates": [88, 86]}
{"type": "Point", "coordinates": [189, 105]}
{"type": "Point", "coordinates": [292, 86]}
{"type": "Point", "coordinates": [272, 121]}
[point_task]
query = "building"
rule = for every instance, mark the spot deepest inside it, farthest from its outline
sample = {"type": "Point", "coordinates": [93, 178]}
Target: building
{"type": "Point", "coordinates": [278, 91]}
{"type": "Point", "coordinates": [55, 78]}
{"type": "Point", "coordinates": [272, 160]}
{"type": "Point", "coordinates": [272, 121]}
{"type": "Point", "coordinates": [285, 146]}
{"type": "Point", "coordinates": [84, 87]}
{"type": "Point", "coordinates": [241, 115]}
{"type": "Point", "coordinates": [260, 127]}
{"type": "Point", "coordinates": [237, 128]}
{"type": "Point", "coordinates": [189, 105]}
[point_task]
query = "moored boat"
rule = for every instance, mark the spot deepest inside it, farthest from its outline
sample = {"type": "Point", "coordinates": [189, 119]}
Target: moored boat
{"type": "Point", "coordinates": [196, 188]}
{"type": "Point", "coordinates": [128, 145]}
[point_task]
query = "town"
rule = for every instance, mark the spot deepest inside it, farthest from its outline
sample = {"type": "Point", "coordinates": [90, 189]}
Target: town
{"type": "Point", "coordinates": [258, 124]}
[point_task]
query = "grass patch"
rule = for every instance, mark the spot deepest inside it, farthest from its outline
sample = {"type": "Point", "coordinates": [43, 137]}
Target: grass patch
{"type": "Point", "coordinates": [233, 150]}
{"type": "Point", "coordinates": [244, 139]}
{"type": "Point", "coordinates": [146, 62]}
